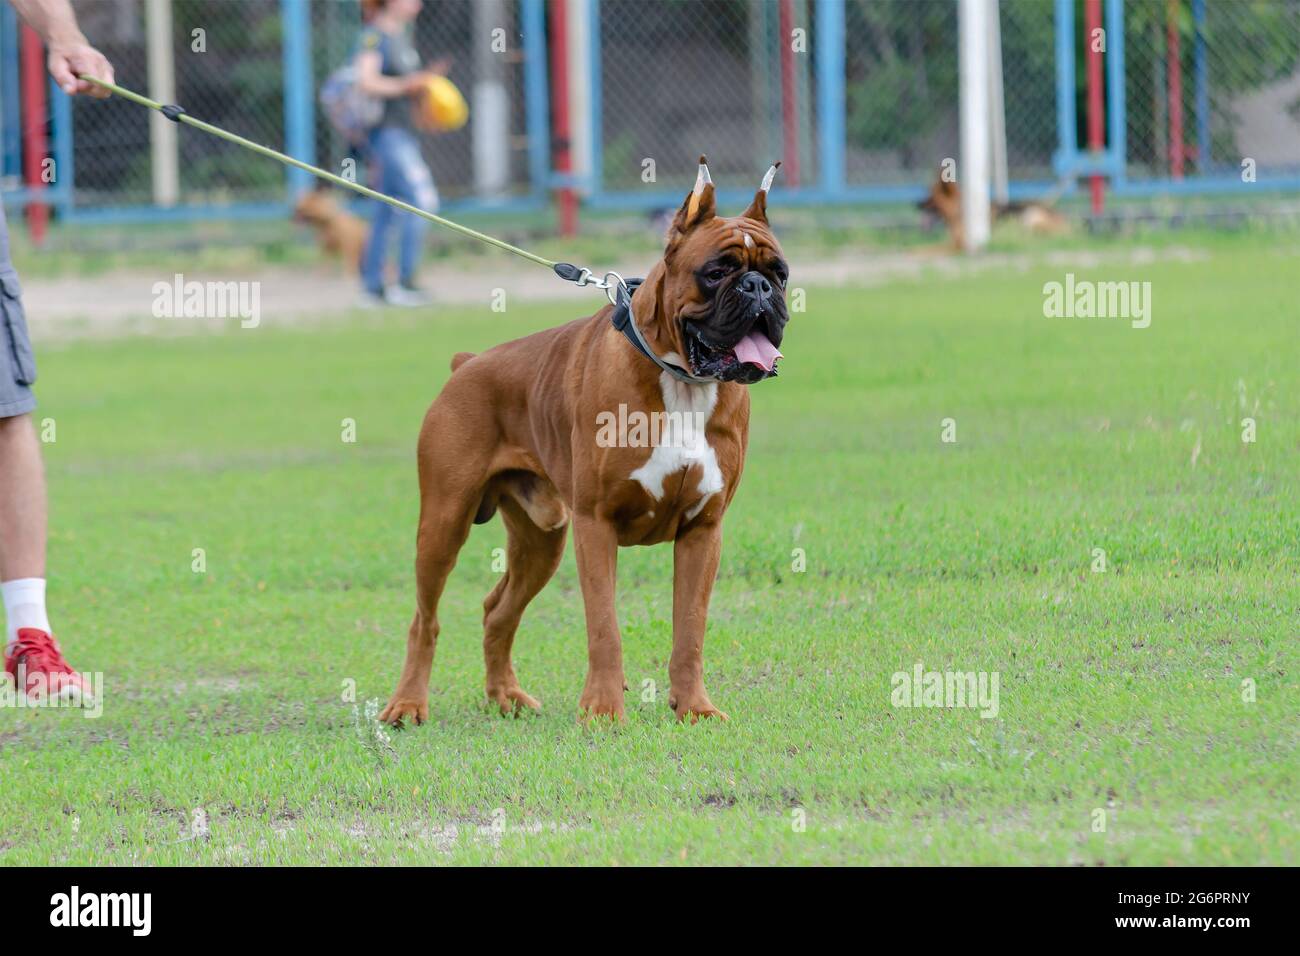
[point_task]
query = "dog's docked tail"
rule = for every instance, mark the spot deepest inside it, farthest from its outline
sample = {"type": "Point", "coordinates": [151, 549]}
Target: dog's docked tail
{"type": "Point", "coordinates": [459, 359]}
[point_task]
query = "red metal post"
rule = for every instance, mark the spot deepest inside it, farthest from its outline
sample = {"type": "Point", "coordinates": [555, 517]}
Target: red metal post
{"type": "Point", "coordinates": [789, 101]}
{"type": "Point", "coordinates": [566, 197]}
{"type": "Point", "coordinates": [1096, 102]}
{"type": "Point", "coordinates": [33, 129]}
{"type": "Point", "coordinates": [1177, 149]}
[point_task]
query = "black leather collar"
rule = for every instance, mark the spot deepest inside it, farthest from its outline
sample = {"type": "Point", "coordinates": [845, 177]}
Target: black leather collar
{"type": "Point", "coordinates": [621, 316]}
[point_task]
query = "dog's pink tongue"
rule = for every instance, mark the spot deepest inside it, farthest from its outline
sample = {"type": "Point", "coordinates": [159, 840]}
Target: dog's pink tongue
{"type": "Point", "coordinates": [755, 349]}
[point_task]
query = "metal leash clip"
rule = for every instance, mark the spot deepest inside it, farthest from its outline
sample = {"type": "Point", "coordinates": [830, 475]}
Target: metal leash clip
{"type": "Point", "coordinates": [582, 276]}
{"type": "Point", "coordinates": [612, 288]}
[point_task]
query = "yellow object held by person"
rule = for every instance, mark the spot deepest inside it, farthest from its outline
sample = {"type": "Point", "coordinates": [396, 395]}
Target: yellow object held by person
{"type": "Point", "coordinates": [442, 107]}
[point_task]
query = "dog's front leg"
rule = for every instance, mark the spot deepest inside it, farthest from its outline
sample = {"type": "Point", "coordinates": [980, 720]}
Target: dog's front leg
{"type": "Point", "coordinates": [595, 543]}
{"type": "Point", "coordinates": [695, 565]}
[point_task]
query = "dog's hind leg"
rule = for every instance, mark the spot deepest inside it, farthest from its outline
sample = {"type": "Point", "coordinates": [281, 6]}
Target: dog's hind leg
{"type": "Point", "coordinates": [532, 555]}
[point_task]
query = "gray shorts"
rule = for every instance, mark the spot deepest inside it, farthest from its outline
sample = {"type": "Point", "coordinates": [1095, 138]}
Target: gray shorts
{"type": "Point", "coordinates": [17, 365]}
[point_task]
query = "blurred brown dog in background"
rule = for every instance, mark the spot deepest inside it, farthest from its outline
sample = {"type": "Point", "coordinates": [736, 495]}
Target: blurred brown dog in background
{"type": "Point", "coordinates": [944, 201]}
{"type": "Point", "coordinates": [339, 232]}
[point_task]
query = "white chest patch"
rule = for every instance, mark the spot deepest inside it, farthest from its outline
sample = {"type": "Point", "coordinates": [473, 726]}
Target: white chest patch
{"type": "Point", "coordinates": [682, 439]}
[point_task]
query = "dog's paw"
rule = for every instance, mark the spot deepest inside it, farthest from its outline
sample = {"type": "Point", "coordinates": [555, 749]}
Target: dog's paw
{"type": "Point", "coordinates": [514, 700]}
{"type": "Point", "coordinates": [694, 707]}
{"type": "Point", "coordinates": [400, 708]}
{"type": "Point", "coordinates": [597, 703]}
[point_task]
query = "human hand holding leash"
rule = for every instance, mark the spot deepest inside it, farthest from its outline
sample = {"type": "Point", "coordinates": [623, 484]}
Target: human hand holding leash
{"type": "Point", "coordinates": [70, 59]}
{"type": "Point", "coordinates": [70, 55]}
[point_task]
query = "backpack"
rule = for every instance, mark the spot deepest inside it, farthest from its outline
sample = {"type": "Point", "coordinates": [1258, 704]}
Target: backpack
{"type": "Point", "coordinates": [353, 114]}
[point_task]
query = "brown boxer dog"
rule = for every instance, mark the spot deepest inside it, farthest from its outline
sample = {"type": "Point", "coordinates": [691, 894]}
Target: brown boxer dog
{"type": "Point", "coordinates": [535, 429]}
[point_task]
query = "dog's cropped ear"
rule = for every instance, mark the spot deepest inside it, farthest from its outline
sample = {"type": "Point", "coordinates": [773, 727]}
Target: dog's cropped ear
{"type": "Point", "coordinates": [698, 206]}
{"type": "Point", "coordinates": [758, 208]}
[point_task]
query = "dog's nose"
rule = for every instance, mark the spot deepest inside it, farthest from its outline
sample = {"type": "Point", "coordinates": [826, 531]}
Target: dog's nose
{"type": "Point", "coordinates": [755, 284]}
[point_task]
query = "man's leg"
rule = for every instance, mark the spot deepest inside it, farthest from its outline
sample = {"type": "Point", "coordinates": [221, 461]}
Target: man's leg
{"type": "Point", "coordinates": [22, 479]}
{"type": "Point", "coordinates": [22, 500]}
{"type": "Point", "coordinates": [22, 526]}
{"type": "Point", "coordinates": [32, 657]}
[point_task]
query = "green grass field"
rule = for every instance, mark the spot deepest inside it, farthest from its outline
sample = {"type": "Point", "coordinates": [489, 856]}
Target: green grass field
{"type": "Point", "coordinates": [1120, 691]}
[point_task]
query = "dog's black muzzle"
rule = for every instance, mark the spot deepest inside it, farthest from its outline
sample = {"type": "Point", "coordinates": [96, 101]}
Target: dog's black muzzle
{"type": "Point", "coordinates": [752, 303]}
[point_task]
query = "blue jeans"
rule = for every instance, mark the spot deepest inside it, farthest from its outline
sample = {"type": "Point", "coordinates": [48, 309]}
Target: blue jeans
{"type": "Point", "coordinates": [398, 169]}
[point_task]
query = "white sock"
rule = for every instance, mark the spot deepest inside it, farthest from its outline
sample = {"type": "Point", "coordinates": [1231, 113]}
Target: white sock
{"type": "Point", "coordinates": [24, 600]}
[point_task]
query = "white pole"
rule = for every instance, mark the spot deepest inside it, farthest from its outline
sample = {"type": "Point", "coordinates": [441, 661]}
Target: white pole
{"type": "Point", "coordinates": [582, 137]}
{"type": "Point", "coordinates": [997, 107]}
{"type": "Point", "coordinates": [973, 171]}
{"type": "Point", "coordinates": [490, 123]}
{"type": "Point", "coordinates": [162, 87]}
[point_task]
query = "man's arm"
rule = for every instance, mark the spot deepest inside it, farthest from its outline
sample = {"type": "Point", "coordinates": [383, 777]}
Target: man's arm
{"type": "Point", "coordinates": [69, 51]}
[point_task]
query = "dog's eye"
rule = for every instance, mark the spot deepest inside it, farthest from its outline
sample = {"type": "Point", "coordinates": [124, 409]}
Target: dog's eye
{"type": "Point", "coordinates": [716, 275]}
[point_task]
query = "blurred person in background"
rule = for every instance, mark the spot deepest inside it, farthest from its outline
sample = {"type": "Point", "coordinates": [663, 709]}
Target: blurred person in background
{"type": "Point", "coordinates": [33, 659]}
{"type": "Point", "coordinates": [388, 68]}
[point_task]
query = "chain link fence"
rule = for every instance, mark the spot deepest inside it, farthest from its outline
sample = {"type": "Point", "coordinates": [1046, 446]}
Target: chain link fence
{"type": "Point", "coordinates": [728, 90]}
{"type": "Point", "coordinates": [679, 79]}
{"type": "Point", "coordinates": [738, 79]}
{"type": "Point", "coordinates": [1029, 88]}
{"type": "Point", "coordinates": [900, 90]}
{"type": "Point", "coordinates": [228, 71]}
{"type": "Point", "coordinates": [1234, 93]}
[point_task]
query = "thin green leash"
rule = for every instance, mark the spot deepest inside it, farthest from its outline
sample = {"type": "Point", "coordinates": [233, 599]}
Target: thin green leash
{"type": "Point", "coordinates": [176, 114]}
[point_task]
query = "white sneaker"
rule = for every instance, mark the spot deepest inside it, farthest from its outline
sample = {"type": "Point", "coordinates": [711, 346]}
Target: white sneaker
{"type": "Point", "coordinates": [405, 296]}
{"type": "Point", "coordinates": [372, 300]}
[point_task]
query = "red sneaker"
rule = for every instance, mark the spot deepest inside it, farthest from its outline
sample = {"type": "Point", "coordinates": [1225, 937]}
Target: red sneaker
{"type": "Point", "coordinates": [43, 670]}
